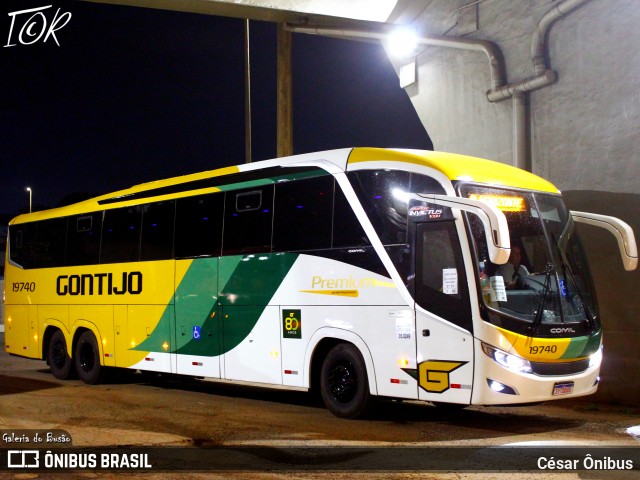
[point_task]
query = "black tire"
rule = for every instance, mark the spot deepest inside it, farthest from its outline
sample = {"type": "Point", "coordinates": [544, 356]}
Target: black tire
{"type": "Point", "coordinates": [58, 358]}
{"type": "Point", "coordinates": [343, 382]}
{"type": "Point", "coordinates": [87, 359]}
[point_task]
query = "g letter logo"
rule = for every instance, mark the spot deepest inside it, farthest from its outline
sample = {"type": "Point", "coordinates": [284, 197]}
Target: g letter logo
{"type": "Point", "coordinates": [433, 375]}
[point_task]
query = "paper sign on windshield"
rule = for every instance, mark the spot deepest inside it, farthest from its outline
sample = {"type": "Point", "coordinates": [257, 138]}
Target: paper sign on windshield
{"type": "Point", "coordinates": [450, 281]}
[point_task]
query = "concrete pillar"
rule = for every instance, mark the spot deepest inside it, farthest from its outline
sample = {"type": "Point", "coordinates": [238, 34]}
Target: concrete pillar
{"type": "Point", "coordinates": [285, 117]}
{"type": "Point", "coordinates": [247, 93]}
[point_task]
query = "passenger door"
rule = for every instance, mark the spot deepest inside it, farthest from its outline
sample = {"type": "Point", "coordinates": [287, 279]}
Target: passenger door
{"type": "Point", "coordinates": [443, 315]}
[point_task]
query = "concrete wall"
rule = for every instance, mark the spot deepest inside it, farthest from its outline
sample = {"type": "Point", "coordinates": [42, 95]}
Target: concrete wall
{"type": "Point", "coordinates": [584, 129]}
{"type": "Point", "coordinates": [618, 293]}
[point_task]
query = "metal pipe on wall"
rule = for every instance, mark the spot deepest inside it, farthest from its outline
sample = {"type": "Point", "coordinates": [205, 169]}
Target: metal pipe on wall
{"type": "Point", "coordinates": [520, 131]}
{"type": "Point", "coordinates": [544, 76]}
{"type": "Point", "coordinates": [490, 49]}
{"type": "Point", "coordinates": [539, 55]}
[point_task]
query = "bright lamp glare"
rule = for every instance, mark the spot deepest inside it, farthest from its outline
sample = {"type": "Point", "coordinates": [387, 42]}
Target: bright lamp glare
{"type": "Point", "coordinates": [402, 42]}
{"type": "Point", "coordinates": [512, 362]}
{"type": "Point", "coordinates": [496, 386]}
{"type": "Point", "coordinates": [400, 195]}
{"type": "Point", "coordinates": [596, 359]}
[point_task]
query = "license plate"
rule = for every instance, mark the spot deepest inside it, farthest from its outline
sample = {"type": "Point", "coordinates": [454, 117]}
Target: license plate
{"type": "Point", "coordinates": [562, 388]}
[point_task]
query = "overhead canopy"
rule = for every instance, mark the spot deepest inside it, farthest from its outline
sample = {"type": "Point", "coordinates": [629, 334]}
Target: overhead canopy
{"type": "Point", "coordinates": [316, 12]}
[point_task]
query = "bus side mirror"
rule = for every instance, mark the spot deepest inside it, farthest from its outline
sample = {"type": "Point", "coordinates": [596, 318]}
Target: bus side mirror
{"type": "Point", "coordinates": [495, 223]}
{"type": "Point", "coordinates": [621, 230]}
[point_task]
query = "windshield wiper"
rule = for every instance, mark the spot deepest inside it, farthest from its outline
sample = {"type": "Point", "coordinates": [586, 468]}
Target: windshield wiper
{"type": "Point", "coordinates": [567, 269]}
{"type": "Point", "coordinates": [546, 289]}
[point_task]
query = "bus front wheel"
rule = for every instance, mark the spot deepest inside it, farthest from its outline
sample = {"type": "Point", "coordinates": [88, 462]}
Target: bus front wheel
{"type": "Point", "coordinates": [58, 358]}
{"type": "Point", "coordinates": [343, 382]}
{"type": "Point", "coordinates": [87, 358]}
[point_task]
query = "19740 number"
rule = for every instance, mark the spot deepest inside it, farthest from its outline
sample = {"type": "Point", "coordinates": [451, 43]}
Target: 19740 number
{"type": "Point", "coordinates": [24, 286]}
{"type": "Point", "coordinates": [539, 350]}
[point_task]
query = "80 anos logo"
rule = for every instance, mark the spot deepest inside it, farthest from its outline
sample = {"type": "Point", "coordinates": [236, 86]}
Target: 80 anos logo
{"type": "Point", "coordinates": [291, 324]}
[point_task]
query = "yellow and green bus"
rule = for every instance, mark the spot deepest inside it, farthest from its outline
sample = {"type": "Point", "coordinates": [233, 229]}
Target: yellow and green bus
{"type": "Point", "coordinates": [362, 272]}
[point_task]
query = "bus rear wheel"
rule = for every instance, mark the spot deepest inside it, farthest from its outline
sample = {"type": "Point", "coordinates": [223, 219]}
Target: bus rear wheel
{"type": "Point", "coordinates": [87, 359]}
{"type": "Point", "coordinates": [343, 382]}
{"type": "Point", "coordinates": [57, 357]}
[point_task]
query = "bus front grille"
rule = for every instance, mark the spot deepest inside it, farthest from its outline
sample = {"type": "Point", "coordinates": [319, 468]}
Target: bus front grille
{"type": "Point", "coordinates": [555, 369]}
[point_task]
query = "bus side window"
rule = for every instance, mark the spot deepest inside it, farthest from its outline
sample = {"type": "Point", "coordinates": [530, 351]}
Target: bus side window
{"type": "Point", "coordinates": [248, 221]}
{"type": "Point", "coordinates": [441, 282]}
{"type": "Point", "coordinates": [388, 213]}
{"type": "Point", "coordinates": [83, 239]}
{"type": "Point", "coordinates": [39, 244]}
{"type": "Point", "coordinates": [22, 240]}
{"type": "Point", "coordinates": [347, 231]}
{"type": "Point", "coordinates": [425, 184]}
{"type": "Point", "coordinates": [157, 231]}
{"type": "Point", "coordinates": [303, 213]}
{"type": "Point", "coordinates": [49, 248]}
{"type": "Point", "coordinates": [121, 235]}
{"type": "Point", "coordinates": [199, 226]}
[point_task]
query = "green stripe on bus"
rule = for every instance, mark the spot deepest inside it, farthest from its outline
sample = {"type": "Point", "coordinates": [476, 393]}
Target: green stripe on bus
{"type": "Point", "coordinates": [268, 181]}
{"type": "Point", "coordinates": [248, 284]}
{"type": "Point", "coordinates": [583, 346]}
{"type": "Point", "coordinates": [575, 347]}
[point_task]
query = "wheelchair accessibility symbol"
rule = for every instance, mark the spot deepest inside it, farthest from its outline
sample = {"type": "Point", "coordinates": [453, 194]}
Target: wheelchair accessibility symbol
{"type": "Point", "coordinates": [196, 333]}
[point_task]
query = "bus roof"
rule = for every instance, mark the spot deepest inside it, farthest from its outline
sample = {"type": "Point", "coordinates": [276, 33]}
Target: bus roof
{"type": "Point", "coordinates": [453, 166]}
{"type": "Point", "coordinates": [458, 167]}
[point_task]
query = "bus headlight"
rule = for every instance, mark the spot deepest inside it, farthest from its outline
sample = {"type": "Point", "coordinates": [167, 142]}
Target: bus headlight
{"type": "Point", "coordinates": [511, 362]}
{"type": "Point", "coordinates": [596, 359]}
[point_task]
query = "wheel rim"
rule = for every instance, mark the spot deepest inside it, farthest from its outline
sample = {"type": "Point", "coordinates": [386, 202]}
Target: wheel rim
{"type": "Point", "coordinates": [59, 355]}
{"type": "Point", "coordinates": [343, 382]}
{"type": "Point", "coordinates": [86, 357]}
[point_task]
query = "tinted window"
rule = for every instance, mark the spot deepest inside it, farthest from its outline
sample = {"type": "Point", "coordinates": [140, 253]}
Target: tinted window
{"type": "Point", "coordinates": [386, 210]}
{"type": "Point", "coordinates": [121, 235]}
{"type": "Point", "coordinates": [22, 238]}
{"type": "Point", "coordinates": [50, 243]}
{"type": "Point", "coordinates": [248, 220]}
{"type": "Point", "coordinates": [347, 231]}
{"type": "Point", "coordinates": [199, 225]}
{"type": "Point", "coordinates": [83, 239]}
{"type": "Point", "coordinates": [157, 230]}
{"type": "Point", "coordinates": [425, 184]}
{"type": "Point", "coordinates": [382, 195]}
{"type": "Point", "coordinates": [303, 214]}
{"type": "Point", "coordinates": [39, 244]}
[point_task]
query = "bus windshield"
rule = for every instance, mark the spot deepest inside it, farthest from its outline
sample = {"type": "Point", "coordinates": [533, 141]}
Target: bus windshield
{"type": "Point", "coordinates": [546, 281]}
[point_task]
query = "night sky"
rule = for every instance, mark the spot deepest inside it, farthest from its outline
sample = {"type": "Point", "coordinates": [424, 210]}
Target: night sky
{"type": "Point", "coordinates": [133, 95]}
